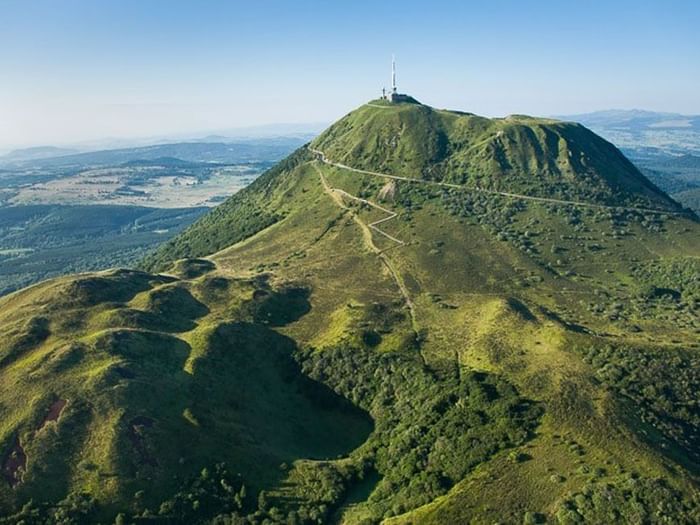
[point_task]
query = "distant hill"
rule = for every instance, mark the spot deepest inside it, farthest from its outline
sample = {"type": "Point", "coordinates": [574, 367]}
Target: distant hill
{"type": "Point", "coordinates": [421, 317]}
{"type": "Point", "coordinates": [35, 153]}
{"type": "Point", "coordinates": [168, 162]}
{"type": "Point", "coordinates": [61, 216]}
{"type": "Point", "coordinates": [637, 120]}
{"type": "Point", "coordinates": [645, 131]}
{"type": "Point", "coordinates": [678, 175]}
{"type": "Point", "coordinates": [219, 152]}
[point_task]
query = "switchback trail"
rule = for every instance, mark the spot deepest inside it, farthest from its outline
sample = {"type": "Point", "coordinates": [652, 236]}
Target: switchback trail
{"type": "Point", "coordinates": [322, 157]}
{"type": "Point", "coordinates": [373, 225]}
{"type": "Point", "coordinates": [335, 194]}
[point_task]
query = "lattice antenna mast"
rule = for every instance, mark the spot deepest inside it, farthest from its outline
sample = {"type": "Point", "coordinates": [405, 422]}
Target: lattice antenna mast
{"type": "Point", "coordinates": [393, 74]}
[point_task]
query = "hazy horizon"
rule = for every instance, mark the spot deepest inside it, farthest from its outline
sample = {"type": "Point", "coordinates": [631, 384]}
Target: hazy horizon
{"type": "Point", "coordinates": [272, 130]}
{"type": "Point", "coordinates": [81, 71]}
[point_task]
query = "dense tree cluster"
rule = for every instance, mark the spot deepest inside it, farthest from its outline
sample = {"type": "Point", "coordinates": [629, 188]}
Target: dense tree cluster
{"type": "Point", "coordinates": [42, 241]}
{"type": "Point", "coordinates": [628, 500]}
{"type": "Point", "coordinates": [76, 509]}
{"type": "Point", "coordinates": [430, 431]}
{"type": "Point", "coordinates": [681, 274]}
{"type": "Point", "coordinates": [663, 385]}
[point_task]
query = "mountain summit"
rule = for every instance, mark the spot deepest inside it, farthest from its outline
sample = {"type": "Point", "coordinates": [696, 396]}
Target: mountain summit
{"type": "Point", "coordinates": [519, 157]}
{"type": "Point", "coordinates": [422, 316]}
{"type": "Point", "coordinates": [518, 154]}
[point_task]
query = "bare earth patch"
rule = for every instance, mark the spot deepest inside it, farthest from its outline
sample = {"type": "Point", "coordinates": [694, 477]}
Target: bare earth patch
{"type": "Point", "coordinates": [137, 428]}
{"type": "Point", "coordinates": [54, 413]}
{"type": "Point", "coordinates": [14, 464]}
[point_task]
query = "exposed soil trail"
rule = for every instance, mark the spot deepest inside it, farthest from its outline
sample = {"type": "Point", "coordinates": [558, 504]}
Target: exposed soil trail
{"type": "Point", "coordinates": [15, 461]}
{"type": "Point", "coordinates": [335, 194]}
{"type": "Point", "coordinates": [322, 157]}
{"type": "Point", "coordinates": [373, 225]}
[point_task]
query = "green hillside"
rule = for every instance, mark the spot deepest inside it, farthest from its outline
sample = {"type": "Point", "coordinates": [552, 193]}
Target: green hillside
{"type": "Point", "coordinates": [247, 212]}
{"type": "Point", "coordinates": [519, 154]}
{"type": "Point", "coordinates": [422, 317]}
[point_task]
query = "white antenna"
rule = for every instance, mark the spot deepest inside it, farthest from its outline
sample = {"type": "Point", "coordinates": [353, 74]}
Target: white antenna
{"type": "Point", "coordinates": [393, 74]}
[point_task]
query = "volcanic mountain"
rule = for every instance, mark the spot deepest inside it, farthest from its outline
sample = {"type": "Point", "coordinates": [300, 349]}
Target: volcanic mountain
{"type": "Point", "coordinates": [422, 316]}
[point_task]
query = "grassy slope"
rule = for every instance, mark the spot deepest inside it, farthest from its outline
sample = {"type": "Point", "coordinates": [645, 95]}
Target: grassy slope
{"type": "Point", "coordinates": [543, 304]}
{"type": "Point", "coordinates": [518, 154]}
{"type": "Point", "coordinates": [241, 216]}
{"type": "Point", "coordinates": [122, 346]}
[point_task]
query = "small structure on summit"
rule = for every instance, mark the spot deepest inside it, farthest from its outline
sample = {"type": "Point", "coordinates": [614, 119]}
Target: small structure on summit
{"type": "Point", "coordinates": [394, 95]}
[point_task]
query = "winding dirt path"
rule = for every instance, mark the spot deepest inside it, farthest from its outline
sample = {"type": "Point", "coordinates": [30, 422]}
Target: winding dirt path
{"type": "Point", "coordinates": [373, 225]}
{"type": "Point", "coordinates": [336, 195]}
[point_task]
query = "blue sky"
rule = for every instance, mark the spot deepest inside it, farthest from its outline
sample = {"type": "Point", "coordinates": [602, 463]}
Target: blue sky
{"type": "Point", "coordinates": [74, 70]}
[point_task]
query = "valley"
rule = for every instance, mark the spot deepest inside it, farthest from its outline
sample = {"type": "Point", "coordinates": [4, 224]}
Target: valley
{"type": "Point", "coordinates": [157, 186]}
{"type": "Point", "coordinates": [101, 209]}
{"type": "Point", "coordinates": [41, 241]}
